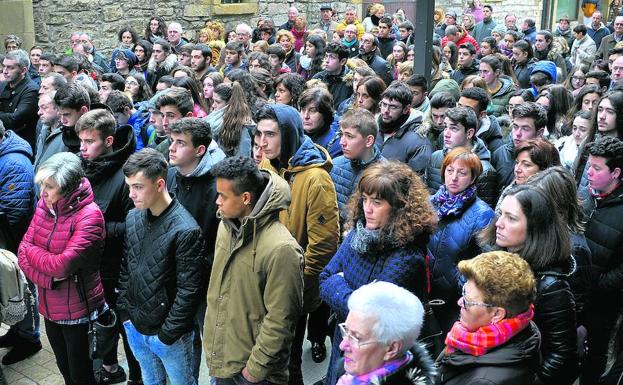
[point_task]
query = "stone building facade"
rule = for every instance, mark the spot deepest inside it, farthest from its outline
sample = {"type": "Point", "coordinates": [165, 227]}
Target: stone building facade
{"type": "Point", "coordinates": [54, 20]}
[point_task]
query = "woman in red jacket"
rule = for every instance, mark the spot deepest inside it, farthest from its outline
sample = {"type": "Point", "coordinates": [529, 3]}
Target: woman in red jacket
{"type": "Point", "coordinates": [61, 254]}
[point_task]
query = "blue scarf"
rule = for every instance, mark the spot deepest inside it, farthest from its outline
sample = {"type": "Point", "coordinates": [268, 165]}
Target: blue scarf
{"type": "Point", "coordinates": [448, 204]}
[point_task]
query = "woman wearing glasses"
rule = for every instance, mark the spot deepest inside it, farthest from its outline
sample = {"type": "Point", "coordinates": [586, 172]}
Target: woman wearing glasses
{"type": "Point", "coordinates": [494, 340]}
{"type": "Point", "coordinates": [390, 220]}
{"type": "Point", "coordinates": [379, 338]}
{"type": "Point", "coordinates": [529, 225]}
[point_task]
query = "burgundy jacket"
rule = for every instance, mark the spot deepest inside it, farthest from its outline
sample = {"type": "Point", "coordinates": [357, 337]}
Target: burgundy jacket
{"type": "Point", "coordinates": [66, 246]}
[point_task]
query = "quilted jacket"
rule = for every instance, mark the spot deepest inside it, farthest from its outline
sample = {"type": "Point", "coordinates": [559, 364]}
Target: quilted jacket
{"type": "Point", "coordinates": [255, 297]}
{"type": "Point", "coordinates": [161, 281]}
{"type": "Point", "coordinates": [486, 182]}
{"type": "Point", "coordinates": [504, 163]}
{"type": "Point", "coordinates": [16, 189]}
{"type": "Point", "coordinates": [68, 246]}
{"type": "Point", "coordinates": [454, 241]}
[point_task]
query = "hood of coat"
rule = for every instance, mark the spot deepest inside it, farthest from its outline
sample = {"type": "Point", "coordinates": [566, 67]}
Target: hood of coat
{"type": "Point", "coordinates": [563, 269]}
{"type": "Point", "coordinates": [309, 155]}
{"type": "Point", "coordinates": [168, 64]}
{"type": "Point", "coordinates": [292, 134]}
{"type": "Point", "coordinates": [507, 87]}
{"type": "Point", "coordinates": [73, 202]}
{"type": "Point", "coordinates": [213, 155]}
{"type": "Point", "coordinates": [106, 165]}
{"type": "Point", "coordinates": [14, 144]}
{"type": "Point", "coordinates": [547, 67]}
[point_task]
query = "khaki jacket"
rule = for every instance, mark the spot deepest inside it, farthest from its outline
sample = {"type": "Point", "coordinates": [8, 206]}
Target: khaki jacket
{"type": "Point", "coordinates": [255, 296]}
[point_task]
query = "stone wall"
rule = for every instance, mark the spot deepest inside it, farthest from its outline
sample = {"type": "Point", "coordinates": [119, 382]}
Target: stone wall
{"type": "Point", "coordinates": [521, 8]}
{"type": "Point", "coordinates": [56, 19]}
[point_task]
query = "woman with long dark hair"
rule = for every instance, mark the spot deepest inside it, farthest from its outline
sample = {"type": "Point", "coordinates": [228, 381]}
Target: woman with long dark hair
{"type": "Point", "coordinates": [142, 49]}
{"type": "Point", "coordinates": [200, 107]}
{"type": "Point", "coordinates": [156, 28]}
{"type": "Point", "coordinates": [210, 82]}
{"type": "Point", "coordinates": [311, 62]}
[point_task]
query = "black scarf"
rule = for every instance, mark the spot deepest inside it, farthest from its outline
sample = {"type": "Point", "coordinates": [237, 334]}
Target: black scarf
{"type": "Point", "coordinates": [388, 128]}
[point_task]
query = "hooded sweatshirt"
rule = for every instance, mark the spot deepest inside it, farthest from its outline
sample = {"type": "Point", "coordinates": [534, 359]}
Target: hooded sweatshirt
{"type": "Point", "coordinates": [312, 217]}
{"type": "Point", "coordinates": [547, 67]}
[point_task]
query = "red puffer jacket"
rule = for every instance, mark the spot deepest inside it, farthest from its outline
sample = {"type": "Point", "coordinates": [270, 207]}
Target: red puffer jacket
{"type": "Point", "coordinates": [66, 246]}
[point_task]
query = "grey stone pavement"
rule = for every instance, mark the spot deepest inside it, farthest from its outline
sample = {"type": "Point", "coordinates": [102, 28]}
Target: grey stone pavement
{"type": "Point", "coordinates": [41, 368]}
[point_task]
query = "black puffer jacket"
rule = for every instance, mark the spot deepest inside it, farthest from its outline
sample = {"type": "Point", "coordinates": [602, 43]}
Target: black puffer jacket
{"type": "Point", "coordinates": [554, 314]}
{"type": "Point", "coordinates": [490, 133]}
{"type": "Point", "coordinates": [581, 280]}
{"type": "Point", "coordinates": [504, 163]}
{"type": "Point", "coordinates": [161, 283]}
{"type": "Point", "coordinates": [339, 88]}
{"type": "Point", "coordinates": [112, 197]}
{"type": "Point", "coordinates": [523, 72]}
{"type": "Point", "coordinates": [486, 184]}
{"type": "Point", "coordinates": [604, 234]}
{"type": "Point", "coordinates": [514, 363]}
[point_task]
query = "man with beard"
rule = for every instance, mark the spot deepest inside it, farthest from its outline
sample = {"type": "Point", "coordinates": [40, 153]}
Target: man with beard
{"type": "Point", "coordinates": [200, 59]}
{"type": "Point", "coordinates": [597, 30]}
{"type": "Point", "coordinates": [543, 51]}
{"type": "Point", "coordinates": [368, 52]}
{"type": "Point", "coordinates": [398, 123]}
{"type": "Point", "coordinates": [50, 140]}
{"type": "Point", "coordinates": [103, 150]}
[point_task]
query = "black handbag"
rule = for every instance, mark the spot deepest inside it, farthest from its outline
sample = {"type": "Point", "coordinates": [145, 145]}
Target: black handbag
{"type": "Point", "coordinates": [103, 331]}
{"type": "Point", "coordinates": [431, 334]}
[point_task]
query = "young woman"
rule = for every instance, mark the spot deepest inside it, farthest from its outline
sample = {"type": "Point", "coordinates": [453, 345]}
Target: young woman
{"type": "Point", "coordinates": [499, 87]}
{"type": "Point", "coordinates": [156, 28]}
{"type": "Point", "coordinates": [461, 216]}
{"type": "Point", "coordinates": [137, 88]}
{"type": "Point", "coordinates": [391, 221]}
{"type": "Point", "coordinates": [142, 50]}
{"type": "Point", "coordinates": [299, 30]}
{"type": "Point", "coordinates": [450, 56]}
{"type": "Point", "coordinates": [399, 55]}
{"type": "Point", "coordinates": [488, 46]}
{"type": "Point", "coordinates": [576, 79]}
{"type": "Point", "coordinates": [212, 80]}
{"type": "Point", "coordinates": [523, 62]}
{"type": "Point", "coordinates": [506, 45]}
{"type": "Point", "coordinates": [544, 242]}
{"type": "Point", "coordinates": [127, 38]}
{"type": "Point", "coordinates": [254, 95]}
{"type": "Point", "coordinates": [368, 93]}
{"type": "Point", "coordinates": [288, 88]}
{"type": "Point", "coordinates": [311, 62]}
{"type": "Point", "coordinates": [316, 107]}
{"type": "Point", "coordinates": [234, 135]}
{"type": "Point", "coordinates": [557, 100]}
{"type": "Point", "coordinates": [200, 107]}
{"type": "Point", "coordinates": [125, 60]}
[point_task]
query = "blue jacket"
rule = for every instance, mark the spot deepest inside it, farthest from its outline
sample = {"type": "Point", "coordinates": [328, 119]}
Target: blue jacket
{"type": "Point", "coordinates": [345, 175]}
{"type": "Point", "coordinates": [17, 192]}
{"type": "Point", "coordinates": [455, 240]}
{"type": "Point", "coordinates": [329, 140]}
{"type": "Point", "coordinates": [142, 129]}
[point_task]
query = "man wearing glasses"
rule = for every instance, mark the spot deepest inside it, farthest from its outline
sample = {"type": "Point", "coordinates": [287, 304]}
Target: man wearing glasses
{"type": "Point", "coordinates": [243, 32]}
{"type": "Point", "coordinates": [397, 137]}
{"type": "Point", "coordinates": [608, 42]}
{"type": "Point", "coordinates": [174, 36]}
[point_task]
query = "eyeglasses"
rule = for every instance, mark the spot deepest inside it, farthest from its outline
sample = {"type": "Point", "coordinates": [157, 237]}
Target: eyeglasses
{"type": "Point", "coordinates": [466, 303]}
{"type": "Point", "coordinates": [578, 78]}
{"type": "Point", "coordinates": [511, 107]}
{"type": "Point", "coordinates": [131, 83]}
{"type": "Point", "coordinates": [391, 107]}
{"type": "Point", "coordinates": [352, 339]}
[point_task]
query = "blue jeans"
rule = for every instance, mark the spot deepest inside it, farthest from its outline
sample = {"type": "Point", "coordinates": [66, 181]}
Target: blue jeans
{"type": "Point", "coordinates": [157, 360]}
{"type": "Point", "coordinates": [197, 336]}
{"type": "Point", "coordinates": [28, 328]}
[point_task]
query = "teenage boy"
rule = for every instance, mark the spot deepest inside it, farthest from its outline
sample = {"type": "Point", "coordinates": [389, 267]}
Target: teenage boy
{"type": "Point", "coordinates": [235, 57]}
{"type": "Point", "coordinates": [312, 217]}
{"type": "Point", "coordinates": [173, 106]}
{"type": "Point", "coordinates": [336, 56]}
{"type": "Point", "coordinates": [460, 125]}
{"type": "Point", "coordinates": [72, 102]}
{"type": "Point", "coordinates": [192, 155]}
{"type": "Point", "coordinates": [359, 130]}
{"type": "Point", "coordinates": [162, 278]}
{"type": "Point", "coordinates": [104, 149]}
{"type": "Point", "coordinates": [125, 113]}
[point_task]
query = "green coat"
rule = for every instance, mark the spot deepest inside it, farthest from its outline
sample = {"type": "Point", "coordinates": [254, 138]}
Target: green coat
{"type": "Point", "coordinates": [255, 297]}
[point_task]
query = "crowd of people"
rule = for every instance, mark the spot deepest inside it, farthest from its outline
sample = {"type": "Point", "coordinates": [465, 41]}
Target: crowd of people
{"type": "Point", "coordinates": [228, 197]}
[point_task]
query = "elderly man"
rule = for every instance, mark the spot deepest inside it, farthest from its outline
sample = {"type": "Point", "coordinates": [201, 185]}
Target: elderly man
{"type": "Point", "coordinates": [326, 22]}
{"type": "Point", "coordinates": [510, 21]}
{"type": "Point", "coordinates": [609, 41]}
{"type": "Point", "coordinates": [597, 30]}
{"type": "Point", "coordinates": [292, 15]}
{"type": "Point", "coordinates": [174, 36]}
{"type": "Point", "coordinates": [350, 17]}
{"type": "Point", "coordinates": [368, 52]}
{"type": "Point", "coordinates": [243, 33]}
{"type": "Point", "coordinates": [89, 48]}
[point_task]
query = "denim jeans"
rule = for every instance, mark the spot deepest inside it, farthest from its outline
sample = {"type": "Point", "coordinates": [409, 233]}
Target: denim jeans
{"type": "Point", "coordinates": [28, 328]}
{"type": "Point", "coordinates": [157, 360]}
{"type": "Point", "coordinates": [197, 338]}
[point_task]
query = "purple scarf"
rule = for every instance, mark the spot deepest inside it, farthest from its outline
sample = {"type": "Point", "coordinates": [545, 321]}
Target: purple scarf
{"type": "Point", "coordinates": [387, 369]}
{"type": "Point", "coordinates": [448, 204]}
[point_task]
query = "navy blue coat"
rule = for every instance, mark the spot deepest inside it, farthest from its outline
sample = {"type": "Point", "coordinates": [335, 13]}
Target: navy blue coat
{"type": "Point", "coordinates": [454, 241]}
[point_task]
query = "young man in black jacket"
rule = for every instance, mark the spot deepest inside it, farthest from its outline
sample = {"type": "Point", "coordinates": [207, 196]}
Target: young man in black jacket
{"type": "Point", "coordinates": [192, 155]}
{"type": "Point", "coordinates": [104, 149]}
{"type": "Point", "coordinates": [162, 278]}
{"type": "Point", "coordinates": [334, 73]}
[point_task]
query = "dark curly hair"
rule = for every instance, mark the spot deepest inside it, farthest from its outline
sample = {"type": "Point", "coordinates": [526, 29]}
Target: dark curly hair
{"type": "Point", "coordinates": [413, 219]}
{"type": "Point", "coordinates": [293, 83]}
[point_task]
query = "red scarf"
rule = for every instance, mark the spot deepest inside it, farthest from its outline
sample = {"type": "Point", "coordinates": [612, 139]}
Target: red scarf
{"type": "Point", "coordinates": [487, 337]}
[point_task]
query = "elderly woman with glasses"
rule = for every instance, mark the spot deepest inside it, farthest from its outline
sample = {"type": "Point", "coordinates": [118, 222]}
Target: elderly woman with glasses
{"type": "Point", "coordinates": [379, 338]}
{"type": "Point", "coordinates": [494, 341]}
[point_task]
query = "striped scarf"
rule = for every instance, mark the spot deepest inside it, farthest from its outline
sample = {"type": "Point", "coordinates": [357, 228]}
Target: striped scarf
{"type": "Point", "coordinates": [487, 337]}
{"type": "Point", "coordinates": [372, 377]}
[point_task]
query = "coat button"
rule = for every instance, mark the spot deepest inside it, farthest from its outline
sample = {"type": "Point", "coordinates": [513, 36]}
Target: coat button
{"type": "Point", "coordinates": [161, 303]}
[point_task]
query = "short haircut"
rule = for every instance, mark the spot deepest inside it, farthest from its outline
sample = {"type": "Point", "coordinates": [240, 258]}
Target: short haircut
{"type": "Point", "coordinates": [186, 48]}
{"type": "Point", "coordinates": [2, 130]}
{"type": "Point", "coordinates": [65, 169]}
{"type": "Point", "coordinates": [72, 96]}
{"type": "Point", "coordinates": [339, 49]}
{"type": "Point", "coordinates": [244, 27]}
{"type": "Point", "coordinates": [58, 80]}
{"type": "Point", "coordinates": [442, 99]}
{"type": "Point", "coordinates": [48, 57]}
{"type": "Point", "coordinates": [67, 62]}
{"type": "Point", "coordinates": [181, 99]}
{"type": "Point", "coordinates": [206, 51]}
{"type": "Point", "coordinates": [277, 50]}
{"type": "Point", "coordinates": [452, 30]}
{"type": "Point", "coordinates": [395, 313]}
{"type": "Point", "coordinates": [465, 117]}
{"type": "Point", "coordinates": [505, 280]}
{"type": "Point", "coordinates": [399, 92]}
{"type": "Point", "coordinates": [611, 149]}
{"type": "Point", "coordinates": [547, 35]}
{"type": "Point", "coordinates": [244, 175]}
{"type": "Point", "coordinates": [488, 6]}
{"type": "Point", "coordinates": [615, 51]}
{"type": "Point", "coordinates": [602, 76]}
{"type": "Point", "coordinates": [530, 22]}
{"type": "Point", "coordinates": [534, 111]}
{"type": "Point", "coordinates": [100, 120]}
{"type": "Point", "coordinates": [235, 45]}
{"type": "Point", "coordinates": [479, 95]}
{"type": "Point", "coordinates": [262, 59]}
{"type": "Point", "coordinates": [20, 57]}
{"type": "Point", "coordinates": [406, 25]}
{"type": "Point", "coordinates": [471, 160]}
{"type": "Point", "coordinates": [468, 46]}
{"type": "Point", "coordinates": [542, 153]}
{"type": "Point", "coordinates": [418, 80]}
{"type": "Point", "coordinates": [116, 81]}
{"type": "Point", "coordinates": [386, 20]}
{"type": "Point", "coordinates": [361, 120]}
{"type": "Point", "coordinates": [323, 100]}
{"type": "Point", "coordinates": [166, 47]}
{"type": "Point", "coordinates": [149, 161]}
{"type": "Point", "coordinates": [166, 79]}
{"type": "Point", "coordinates": [118, 101]}
{"type": "Point", "coordinates": [580, 28]}
{"type": "Point", "coordinates": [199, 130]}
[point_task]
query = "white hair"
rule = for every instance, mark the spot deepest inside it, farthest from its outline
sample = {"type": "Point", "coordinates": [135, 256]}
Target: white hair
{"type": "Point", "coordinates": [244, 27]}
{"type": "Point", "coordinates": [64, 168]}
{"type": "Point", "coordinates": [397, 313]}
{"type": "Point", "coordinates": [176, 26]}
{"type": "Point", "coordinates": [20, 56]}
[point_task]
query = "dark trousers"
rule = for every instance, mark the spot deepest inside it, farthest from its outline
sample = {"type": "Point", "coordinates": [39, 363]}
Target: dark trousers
{"type": "Point", "coordinates": [599, 322]}
{"type": "Point", "coordinates": [111, 358]}
{"type": "Point", "coordinates": [318, 328]}
{"type": "Point", "coordinates": [71, 350]}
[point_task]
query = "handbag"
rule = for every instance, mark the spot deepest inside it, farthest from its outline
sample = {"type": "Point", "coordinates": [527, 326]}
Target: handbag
{"type": "Point", "coordinates": [14, 291]}
{"type": "Point", "coordinates": [103, 331]}
{"type": "Point", "coordinates": [431, 334]}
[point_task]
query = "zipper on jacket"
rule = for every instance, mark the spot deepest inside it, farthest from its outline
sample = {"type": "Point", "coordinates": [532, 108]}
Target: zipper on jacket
{"type": "Point", "coordinates": [47, 309]}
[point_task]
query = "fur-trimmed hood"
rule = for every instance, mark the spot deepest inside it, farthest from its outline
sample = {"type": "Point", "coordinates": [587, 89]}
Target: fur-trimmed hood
{"type": "Point", "coordinates": [169, 63]}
